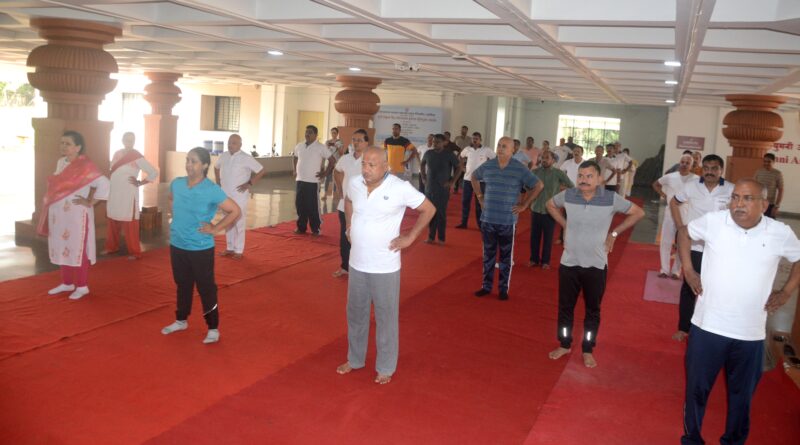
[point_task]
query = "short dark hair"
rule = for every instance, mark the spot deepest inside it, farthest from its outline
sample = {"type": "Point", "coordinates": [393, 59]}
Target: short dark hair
{"type": "Point", "coordinates": [590, 164]}
{"type": "Point", "coordinates": [464, 126]}
{"type": "Point", "coordinates": [769, 156]}
{"type": "Point", "coordinates": [611, 146]}
{"type": "Point", "coordinates": [398, 125]}
{"type": "Point", "coordinates": [77, 139]}
{"type": "Point", "coordinates": [312, 128]}
{"type": "Point", "coordinates": [335, 129]}
{"type": "Point", "coordinates": [447, 133]}
{"type": "Point", "coordinates": [439, 137]}
{"type": "Point", "coordinates": [362, 132]}
{"type": "Point", "coordinates": [517, 142]}
{"type": "Point", "coordinates": [712, 158]}
{"type": "Point", "coordinates": [477, 134]}
{"type": "Point", "coordinates": [687, 152]}
{"type": "Point", "coordinates": [204, 156]}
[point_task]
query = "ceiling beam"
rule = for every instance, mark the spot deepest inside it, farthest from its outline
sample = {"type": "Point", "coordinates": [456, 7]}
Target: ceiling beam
{"type": "Point", "coordinates": [691, 22]}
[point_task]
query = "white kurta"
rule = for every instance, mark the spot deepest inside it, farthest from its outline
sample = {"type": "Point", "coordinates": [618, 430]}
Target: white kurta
{"type": "Point", "coordinates": [123, 197]}
{"type": "Point", "coordinates": [235, 170]}
{"type": "Point", "coordinates": [70, 224]}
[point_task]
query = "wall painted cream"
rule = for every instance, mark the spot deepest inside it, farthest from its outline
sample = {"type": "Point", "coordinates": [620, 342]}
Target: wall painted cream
{"type": "Point", "coordinates": [707, 122]}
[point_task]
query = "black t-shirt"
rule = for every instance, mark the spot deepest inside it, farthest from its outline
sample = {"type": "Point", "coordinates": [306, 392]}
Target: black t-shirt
{"type": "Point", "coordinates": [439, 167]}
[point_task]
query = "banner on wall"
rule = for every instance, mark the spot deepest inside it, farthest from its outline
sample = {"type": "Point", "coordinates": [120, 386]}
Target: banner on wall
{"type": "Point", "coordinates": [416, 122]}
{"type": "Point", "coordinates": [690, 143]}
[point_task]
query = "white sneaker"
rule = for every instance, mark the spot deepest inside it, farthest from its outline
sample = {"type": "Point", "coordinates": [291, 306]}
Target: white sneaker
{"type": "Point", "coordinates": [61, 288]}
{"type": "Point", "coordinates": [177, 325]}
{"type": "Point", "coordinates": [212, 336]}
{"type": "Point", "coordinates": [79, 293]}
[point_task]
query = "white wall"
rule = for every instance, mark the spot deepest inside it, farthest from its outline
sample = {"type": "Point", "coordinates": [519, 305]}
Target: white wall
{"type": "Point", "coordinates": [707, 122]}
{"type": "Point", "coordinates": [643, 128]}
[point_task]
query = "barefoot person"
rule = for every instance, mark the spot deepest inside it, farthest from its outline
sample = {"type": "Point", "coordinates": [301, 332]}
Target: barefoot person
{"type": "Point", "coordinates": [734, 289]}
{"type": "Point", "coordinates": [347, 168]}
{"type": "Point", "coordinates": [123, 197]}
{"type": "Point", "coordinates": [194, 200]}
{"type": "Point", "coordinates": [584, 263]}
{"type": "Point", "coordinates": [66, 217]}
{"type": "Point", "coordinates": [374, 207]}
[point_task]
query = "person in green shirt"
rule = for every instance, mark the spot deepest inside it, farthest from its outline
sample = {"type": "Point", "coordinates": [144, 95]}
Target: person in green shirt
{"type": "Point", "coordinates": [543, 225]}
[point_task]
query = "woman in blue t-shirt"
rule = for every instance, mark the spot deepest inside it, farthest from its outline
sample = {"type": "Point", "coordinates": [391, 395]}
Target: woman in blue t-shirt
{"type": "Point", "coordinates": [194, 201]}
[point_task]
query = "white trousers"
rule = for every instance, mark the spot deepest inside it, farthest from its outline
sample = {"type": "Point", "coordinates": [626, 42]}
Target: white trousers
{"type": "Point", "coordinates": [235, 233]}
{"type": "Point", "coordinates": [668, 232]}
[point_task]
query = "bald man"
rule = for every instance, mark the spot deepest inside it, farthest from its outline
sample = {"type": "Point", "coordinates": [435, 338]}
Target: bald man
{"type": "Point", "coordinates": [668, 186]}
{"type": "Point", "coordinates": [374, 204]}
{"type": "Point", "coordinates": [236, 172]}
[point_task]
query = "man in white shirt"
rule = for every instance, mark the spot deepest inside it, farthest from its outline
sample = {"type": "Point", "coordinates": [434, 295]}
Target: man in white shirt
{"type": "Point", "coordinates": [347, 168]}
{"type": "Point", "coordinates": [710, 193]}
{"type": "Point", "coordinates": [571, 166]}
{"type": "Point", "coordinates": [612, 170]}
{"type": "Point", "coordinates": [416, 161]}
{"type": "Point", "coordinates": [734, 289]}
{"type": "Point", "coordinates": [236, 172]}
{"type": "Point", "coordinates": [562, 152]}
{"type": "Point", "coordinates": [374, 207]}
{"type": "Point", "coordinates": [308, 163]}
{"type": "Point", "coordinates": [471, 158]}
{"type": "Point", "coordinates": [123, 196]}
{"type": "Point", "coordinates": [667, 187]}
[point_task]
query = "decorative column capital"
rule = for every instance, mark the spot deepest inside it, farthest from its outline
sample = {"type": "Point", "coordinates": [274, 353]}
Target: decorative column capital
{"type": "Point", "coordinates": [356, 102]}
{"type": "Point", "coordinates": [161, 92]}
{"type": "Point", "coordinates": [753, 127]}
{"type": "Point", "coordinates": [72, 69]}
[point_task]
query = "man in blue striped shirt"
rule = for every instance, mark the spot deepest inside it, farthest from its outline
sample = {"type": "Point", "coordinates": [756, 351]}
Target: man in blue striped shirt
{"type": "Point", "coordinates": [504, 178]}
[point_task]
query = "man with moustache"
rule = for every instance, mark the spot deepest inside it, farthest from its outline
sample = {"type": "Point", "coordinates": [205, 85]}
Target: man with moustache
{"type": "Point", "coordinates": [501, 204]}
{"type": "Point", "coordinates": [473, 157]}
{"type": "Point", "coordinates": [584, 263]}
{"type": "Point", "coordinates": [709, 193]}
{"type": "Point", "coordinates": [742, 251]}
{"type": "Point", "coordinates": [668, 186]}
{"type": "Point", "coordinates": [347, 168]}
{"type": "Point", "coordinates": [542, 224]}
{"type": "Point", "coordinates": [375, 203]}
{"type": "Point", "coordinates": [308, 164]}
{"type": "Point", "coordinates": [440, 168]}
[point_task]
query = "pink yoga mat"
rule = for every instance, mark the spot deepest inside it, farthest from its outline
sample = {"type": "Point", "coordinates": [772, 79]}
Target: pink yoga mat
{"type": "Point", "coordinates": [663, 290]}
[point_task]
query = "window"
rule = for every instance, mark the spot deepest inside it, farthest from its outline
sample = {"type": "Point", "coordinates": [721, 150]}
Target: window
{"type": "Point", "coordinates": [588, 131]}
{"type": "Point", "coordinates": [220, 113]}
{"type": "Point", "coordinates": [226, 113]}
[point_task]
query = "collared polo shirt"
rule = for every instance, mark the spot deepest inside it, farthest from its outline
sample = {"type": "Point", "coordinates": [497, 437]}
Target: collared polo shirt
{"type": "Point", "coordinates": [475, 157]}
{"type": "Point", "coordinates": [522, 157]}
{"type": "Point", "coordinates": [696, 201]}
{"type": "Point", "coordinates": [191, 207]}
{"type": "Point", "coordinates": [235, 170]}
{"type": "Point", "coordinates": [502, 189]}
{"type": "Point", "coordinates": [587, 225]}
{"type": "Point", "coordinates": [673, 183]}
{"type": "Point", "coordinates": [571, 167]}
{"type": "Point", "coordinates": [309, 160]}
{"type": "Point", "coordinates": [738, 272]}
{"type": "Point", "coordinates": [376, 222]}
{"type": "Point", "coordinates": [553, 179]}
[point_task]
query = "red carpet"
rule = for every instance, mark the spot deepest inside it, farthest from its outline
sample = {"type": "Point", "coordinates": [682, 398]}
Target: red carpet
{"type": "Point", "coordinates": [470, 371]}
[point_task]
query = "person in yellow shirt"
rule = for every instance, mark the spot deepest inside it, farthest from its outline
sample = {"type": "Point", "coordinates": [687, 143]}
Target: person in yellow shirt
{"type": "Point", "coordinates": [396, 147]}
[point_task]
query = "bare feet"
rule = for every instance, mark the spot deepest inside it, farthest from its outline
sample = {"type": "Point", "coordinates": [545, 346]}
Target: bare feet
{"type": "Point", "coordinates": [662, 275]}
{"type": "Point", "coordinates": [588, 360]}
{"type": "Point", "coordinates": [344, 368]}
{"type": "Point", "coordinates": [382, 379]}
{"type": "Point", "coordinates": [226, 253]}
{"type": "Point", "coordinates": [675, 276]}
{"type": "Point", "coordinates": [679, 336]}
{"type": "Point", "coordinates": [558, 353]}
{"type": "Point", "coordinates": [237, 256]}
{"type": "Point", "coordinates": [339, 273]}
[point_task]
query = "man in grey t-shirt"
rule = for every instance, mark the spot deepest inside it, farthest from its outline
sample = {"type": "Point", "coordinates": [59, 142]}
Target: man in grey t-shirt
{"type": "Point", "coordinates": [587, 242]}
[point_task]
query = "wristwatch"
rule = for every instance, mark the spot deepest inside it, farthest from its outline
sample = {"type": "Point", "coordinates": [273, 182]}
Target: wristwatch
{"type": "Point", "coordinates": [614, 234]}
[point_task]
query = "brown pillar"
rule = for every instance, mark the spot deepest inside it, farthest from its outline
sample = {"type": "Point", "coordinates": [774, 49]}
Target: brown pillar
{"type": "Point", "coordinates": [72, 76]}
{"type": "Point", "coordinates": [358, 104]}
{"type": "Point", "coordinates": [161, 127]}
{"type": "Point", "coordinates": [751, 130]}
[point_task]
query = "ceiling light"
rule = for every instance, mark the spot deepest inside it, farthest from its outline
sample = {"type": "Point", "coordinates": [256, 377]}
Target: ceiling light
{"type": "Point", "coordinates": [672, 63]}
{"type": "Point", "coordinates": [354, 68]}
{"type": "Point", "coordinates": [671, 82]}
{"type": "Point", "coordinates": [274, 52]}
{"type": "Point", "coordinates": [670, 101]}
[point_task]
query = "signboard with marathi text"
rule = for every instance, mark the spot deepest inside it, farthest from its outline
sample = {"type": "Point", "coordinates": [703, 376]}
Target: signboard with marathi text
{"type": "Point", "coordinates": [690, 143]}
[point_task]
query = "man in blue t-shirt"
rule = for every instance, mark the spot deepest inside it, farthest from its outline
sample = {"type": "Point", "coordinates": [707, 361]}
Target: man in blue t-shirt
{"type": "Point", "coordinates": [501, 204]}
